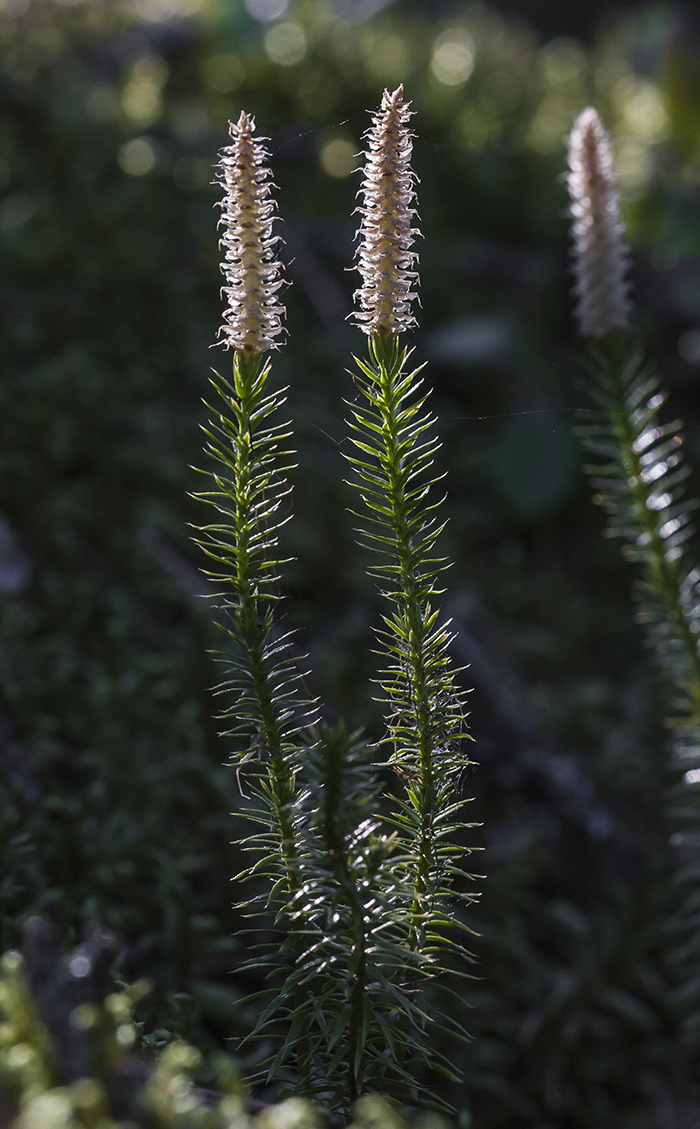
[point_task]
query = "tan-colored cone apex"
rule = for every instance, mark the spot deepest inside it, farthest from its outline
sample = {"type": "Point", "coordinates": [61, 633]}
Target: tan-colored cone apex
{"type": "Point", "coordinates": [384, 256]}
{"type": "Point", "coordinates": [600, 256]}
{"type": "Point", "coordinates": [253, 315]}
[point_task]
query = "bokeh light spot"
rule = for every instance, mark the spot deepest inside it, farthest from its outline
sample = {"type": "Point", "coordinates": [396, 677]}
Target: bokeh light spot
{"type": "Point", "coordinates": [80, 966]}
{"type": "Point", "coordinates": [141, 96]}
{"type": "Point", "coordinates": [338, 157]}
{"type": "Point", "coordinates": [642, 109]}
{"type": "Point", "coordinates": [266, 9]}
{"type": "Point", "coordinates": [453, 57]}
{"type": "Point", "coordinates": [137, 157]}
{"type": "Point", "coordinates": [51, 1110]}
{"type": "Point", "coordinates": [285, 43]}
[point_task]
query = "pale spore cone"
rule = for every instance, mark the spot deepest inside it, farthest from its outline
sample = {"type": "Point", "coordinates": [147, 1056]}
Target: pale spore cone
{"type": "Point", "coordinates": [251, 267]}
{"type": "Point", "coordinates": [600, 257]}
{"type": "Point", "coordinates": [386, 235]}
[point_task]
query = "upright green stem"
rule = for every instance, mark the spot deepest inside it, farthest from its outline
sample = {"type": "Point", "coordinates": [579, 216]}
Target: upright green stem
{"type": "Point", "coordinates": [389, 365]}
{"type": "Point", "coordinates": [253, 623]}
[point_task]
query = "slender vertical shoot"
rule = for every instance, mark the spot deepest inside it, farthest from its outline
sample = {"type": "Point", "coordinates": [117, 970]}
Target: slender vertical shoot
{"type": "Point", "coordinates": [394, 445]}
{"type": "Point", "coordinates": [249, 492]}
{"type": "Point", "coordinates": [638, 474]}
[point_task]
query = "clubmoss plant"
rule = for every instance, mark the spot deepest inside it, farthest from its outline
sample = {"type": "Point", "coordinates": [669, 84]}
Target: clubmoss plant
{"type": "Point", "coordinates": [394, 446]}
{"type": "Point", "coordinates": [266, 706]}
{"type": "Point", "coordinates": [638, 476]}
{"type": "Point", "coordinates": [364, 911]}
{"type": "Point", "coordinates": [249, 492]}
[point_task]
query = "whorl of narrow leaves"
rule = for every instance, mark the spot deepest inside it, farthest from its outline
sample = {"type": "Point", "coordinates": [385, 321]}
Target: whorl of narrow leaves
{"type": "Point", "coordinates": [351, 1000]}
{"type": "Point", "coordinates": [266, 708]}
{"type": "Point", "coordinates": [361, 1027]}
{"type": "Point", "coordinates": [393, 457]}
{"type": "Point", "coordinates": [394, 449]}
{"type": "Point", "coordinates": [600, 256]}
{"type": "Point", "coordinates": [253, 316]}
{"type": "Point", "coordinates": [638, 478]}
{"type": "Point", "coordinates": [384, 256]}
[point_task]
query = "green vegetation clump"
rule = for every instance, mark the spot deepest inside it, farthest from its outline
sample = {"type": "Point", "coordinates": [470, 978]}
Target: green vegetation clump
{"type": "Point", "coordinates": [68, 1059]}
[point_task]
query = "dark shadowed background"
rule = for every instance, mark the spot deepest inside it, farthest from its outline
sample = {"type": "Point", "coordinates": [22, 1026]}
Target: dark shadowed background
{"type": "Point", "coordinates": [114, 805]}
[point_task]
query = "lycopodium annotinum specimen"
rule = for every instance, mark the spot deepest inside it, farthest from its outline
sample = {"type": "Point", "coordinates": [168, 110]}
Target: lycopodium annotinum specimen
{"type": "Point", "coordinates": [363, 913]}
{"type": "Point", "coordinates": [249, 488]}
{"type": "Point", "coordinates": [266, 709]}
{"type": "Point", "coordinates": [394, 446]}
{"type": "Point", "coordinates": [638, 473]}
{"type": "Point", "coordinates": [641, 487]}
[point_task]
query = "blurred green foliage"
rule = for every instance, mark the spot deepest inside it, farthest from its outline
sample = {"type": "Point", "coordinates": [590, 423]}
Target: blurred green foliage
{"type": "Point", "coordinates": [94, 1079]}
{"type": "Point", "coordinates": [114, 807]}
